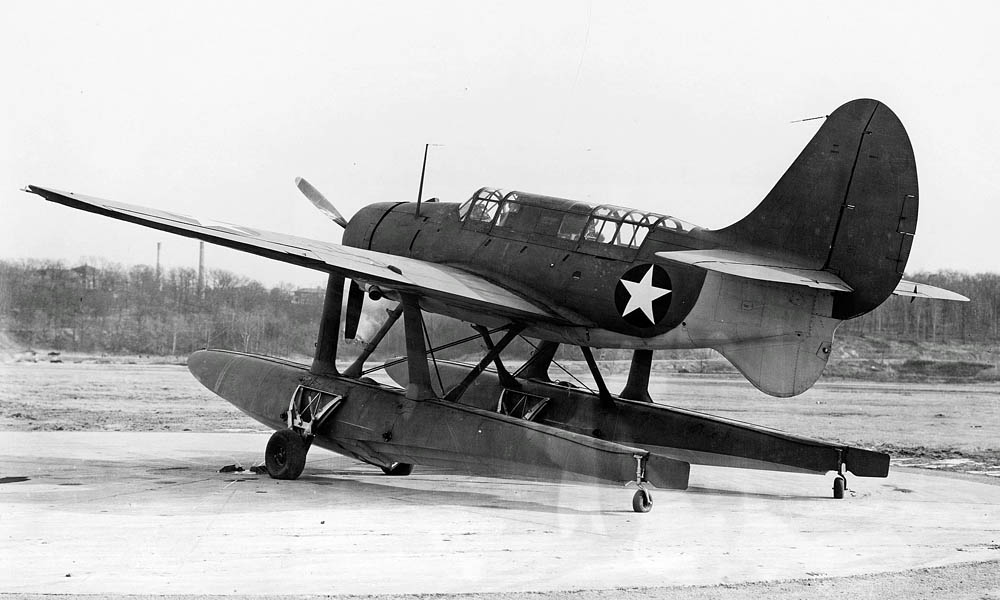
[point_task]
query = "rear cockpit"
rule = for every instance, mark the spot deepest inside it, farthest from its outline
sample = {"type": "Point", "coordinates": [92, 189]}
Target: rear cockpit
{"type": "Point", "coordinates": [565, 219]}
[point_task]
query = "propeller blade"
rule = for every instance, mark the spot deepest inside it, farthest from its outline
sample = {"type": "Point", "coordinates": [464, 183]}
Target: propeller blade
{"type": "Point", "coordinates": [320, 202]}
{"type": "Point", "coordinates": [355, 301]}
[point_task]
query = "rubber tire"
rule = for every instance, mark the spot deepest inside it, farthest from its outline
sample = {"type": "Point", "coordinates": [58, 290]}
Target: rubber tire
{"type": "Point", "coordinates": [642, 501]}
{"type": "Point", "coordinates": [398, 470]}
{"type": "Point", "coordinates": [285, 455]}
{"type": "Point", "coordinates": [839, 485]}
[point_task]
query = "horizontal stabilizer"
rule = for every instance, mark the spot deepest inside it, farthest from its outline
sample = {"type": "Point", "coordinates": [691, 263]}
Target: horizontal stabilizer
{"type": "Point", "coordinates": [751, 266]}
{"type": "Point", "coordinates": [922, 290]}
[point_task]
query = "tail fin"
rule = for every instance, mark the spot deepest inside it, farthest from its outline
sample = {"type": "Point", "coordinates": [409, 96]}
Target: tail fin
{"type": "Point", "coordinates": [847, 205]}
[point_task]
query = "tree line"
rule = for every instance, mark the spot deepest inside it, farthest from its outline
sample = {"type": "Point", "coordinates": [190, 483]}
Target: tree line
{"type": "Point", "coordinates": [110, 308]}
{"type": "Point", "coordinates": [934, 320]}
{"type": "Point", "coordinates": [114, 309]}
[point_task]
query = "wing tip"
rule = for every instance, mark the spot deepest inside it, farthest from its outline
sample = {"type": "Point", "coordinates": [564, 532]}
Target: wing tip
{"type": "Point", "coordinates": [37, 190]}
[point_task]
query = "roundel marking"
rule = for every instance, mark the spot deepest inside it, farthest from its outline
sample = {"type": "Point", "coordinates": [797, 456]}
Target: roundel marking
{"type": "Point", "coordinates": [642, 295]}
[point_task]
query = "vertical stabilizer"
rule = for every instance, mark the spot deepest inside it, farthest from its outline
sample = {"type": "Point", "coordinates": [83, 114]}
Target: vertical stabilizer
{"type": "Point", "coordinates": [847, 205]}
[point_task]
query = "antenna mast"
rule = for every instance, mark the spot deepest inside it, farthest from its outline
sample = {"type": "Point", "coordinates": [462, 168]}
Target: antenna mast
{"type": "Point", "coordinates": [420, 191]}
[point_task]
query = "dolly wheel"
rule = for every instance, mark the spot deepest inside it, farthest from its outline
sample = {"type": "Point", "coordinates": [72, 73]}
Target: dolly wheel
{"type": "Point", "coordinates": [398, 469]}
{"type": "Point", "coordinates": [642, 501]}
{"type": "Point", "coordinates": [839, 485]}
{"type": "Point", "coordinates": [285, 455]}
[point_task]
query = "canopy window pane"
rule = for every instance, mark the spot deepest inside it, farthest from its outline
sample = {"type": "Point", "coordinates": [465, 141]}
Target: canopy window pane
{"type": "Point", "coordinates": [507, 211]}
{"type": "Point", "coordinates": [640, 236]}
{"type": "Point", "coordinates": [600, 230]}
{"type": "Point", "coordinates": [490, 194]}
{"type": "Point", "coordinates": [571, 227]}
{"type": "Point", "coordinates": [463, 210]}
{"type": "Point", "coordinates": [674, 224]}
{"type": "Point", "coordinates": [626, 233]}
{"type": "Point", "coordinates": [484, 210]}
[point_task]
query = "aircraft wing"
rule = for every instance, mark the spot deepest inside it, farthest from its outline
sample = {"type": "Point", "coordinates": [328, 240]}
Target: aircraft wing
{"type": "Point", "coordinates": [428, 280]}
{"type": "Point", "coordinates": [752, 266]}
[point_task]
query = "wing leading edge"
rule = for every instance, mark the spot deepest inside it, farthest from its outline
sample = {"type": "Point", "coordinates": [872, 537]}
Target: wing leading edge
{"type": "Point", "coordinates": [436, 282]}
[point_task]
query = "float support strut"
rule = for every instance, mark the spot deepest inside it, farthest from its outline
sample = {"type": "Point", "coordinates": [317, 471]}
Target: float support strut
{"type": "Point", "coordinates": [637, 387]}
{"type": "Point", "coordinates": [458, 390]}
{"type": "Point", "coordinates": [359, 363]}
{"type": "Point", "coordinates": [602, 387]}
{"type": "Point", "coordinates": [419, 387]}
{"type": "Point", "coordinates": [537, 366]}
{"type": "Point", "coordinates": [325, 360]}
{"type": "Point", "coordinates": [506, 379]}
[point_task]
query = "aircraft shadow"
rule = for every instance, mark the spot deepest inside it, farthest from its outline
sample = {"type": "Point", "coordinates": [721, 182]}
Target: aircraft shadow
{"type": "Point", "coordinates": [395, 489]}
{"type": "Point", "coordinates": [737, 493]}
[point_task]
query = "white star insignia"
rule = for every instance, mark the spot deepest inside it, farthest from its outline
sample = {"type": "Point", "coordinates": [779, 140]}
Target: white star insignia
{"type": "Point", "coordinates": [642, 293]}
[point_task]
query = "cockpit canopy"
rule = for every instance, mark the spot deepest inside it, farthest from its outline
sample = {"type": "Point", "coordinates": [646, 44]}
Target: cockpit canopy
{"type": "Point", "coordinates": [579, 221]}
{"type": "Point", "coordinates": [487, 202]}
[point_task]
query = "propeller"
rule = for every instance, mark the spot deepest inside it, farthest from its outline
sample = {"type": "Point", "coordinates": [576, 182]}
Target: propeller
{"type": "Point", "coordinates": [355, 295]}
{"type": "Point", "coordinates": [320, 202]}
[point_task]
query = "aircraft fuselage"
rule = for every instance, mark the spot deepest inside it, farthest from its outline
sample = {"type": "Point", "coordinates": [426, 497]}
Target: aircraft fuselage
{"type": "Point", "coordinates": [629, 298]}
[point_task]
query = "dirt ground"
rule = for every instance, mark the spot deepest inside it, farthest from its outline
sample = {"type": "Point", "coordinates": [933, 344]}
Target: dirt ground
{"type": "Point", "coordinates": [111, 397]}
{"type": "Point", "coordinates": [950, 427]}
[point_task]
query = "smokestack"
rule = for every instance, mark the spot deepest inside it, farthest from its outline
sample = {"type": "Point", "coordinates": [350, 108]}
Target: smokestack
{"type": "Point", "coordinates": [201, 270]}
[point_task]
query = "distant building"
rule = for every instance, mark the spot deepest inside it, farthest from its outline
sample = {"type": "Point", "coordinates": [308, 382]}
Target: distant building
{"type": "Point", "coordinates": [88, 276]}
{"type": "Point", "coordinates": [84, 275]}
{"type": "Point", "coordinates": [308, 295]}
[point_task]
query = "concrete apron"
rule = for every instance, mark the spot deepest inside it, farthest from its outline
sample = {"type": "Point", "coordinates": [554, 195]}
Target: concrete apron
{"type": "Point", "coordinates": [97, 513]}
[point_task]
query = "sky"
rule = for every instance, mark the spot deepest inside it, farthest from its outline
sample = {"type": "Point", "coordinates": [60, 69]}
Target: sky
{"type": "Point", "coordinates": [213, 109]}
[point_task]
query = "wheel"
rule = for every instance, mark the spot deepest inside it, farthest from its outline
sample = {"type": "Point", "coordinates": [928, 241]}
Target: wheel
{"type": "Point", "coordinates": [398, 469]}
{"type": "Point", "coordinates": [839, 485]}
{"type": "Point", "coordinates": [642, 501]}
{"type": "Point", "coordinates": [285, 455]}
